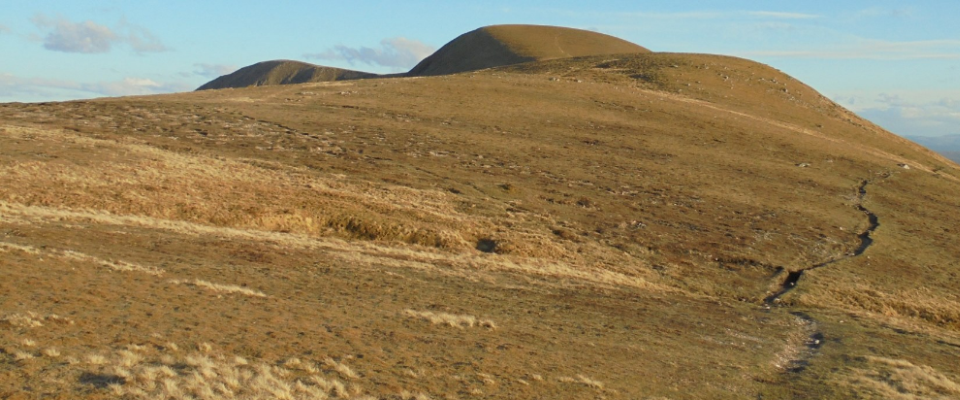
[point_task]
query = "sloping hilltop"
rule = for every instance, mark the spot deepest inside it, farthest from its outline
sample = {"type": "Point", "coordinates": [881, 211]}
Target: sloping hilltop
{"type": "Point", "coordinates": [282, 72]}
{"type": "Point", "coordinates": [648, 225]}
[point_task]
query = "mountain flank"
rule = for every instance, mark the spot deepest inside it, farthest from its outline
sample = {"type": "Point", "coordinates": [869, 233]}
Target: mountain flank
{"type": "Point", "coordinates": [621, 226]}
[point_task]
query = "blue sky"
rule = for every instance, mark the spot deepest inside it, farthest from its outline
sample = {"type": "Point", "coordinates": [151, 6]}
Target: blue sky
{"type": "Point", "coordinates": [894, 62]}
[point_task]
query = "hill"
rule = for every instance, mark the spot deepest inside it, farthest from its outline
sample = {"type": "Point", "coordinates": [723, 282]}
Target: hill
{"type": "Point", "coordinates": [486, 47]}
{"type": "Point", "coordinates": [499, 45]}
{"type": "Point", "coordinates": [644, 225]}
{"type": "Point", "coordinates": [282, 72]}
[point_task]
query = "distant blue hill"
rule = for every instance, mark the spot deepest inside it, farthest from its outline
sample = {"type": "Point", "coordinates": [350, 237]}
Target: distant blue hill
{"type": "Point", "coordinates": [939, 144]}
{"type": "Point", "coordinates": [948, 145]}
{"type": "Point", "coordinates": [953, 155]}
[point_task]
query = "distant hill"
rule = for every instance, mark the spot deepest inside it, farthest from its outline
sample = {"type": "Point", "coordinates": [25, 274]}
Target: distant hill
{"type": "Point", "coordinates": [946, 145]}
{"type": "Point", "coordinates": [282, 72]}
{"type": "Point", "coordinates": [938, 143]}
{"type": "Point", "coordinates": [952, 155]}
{"type": "Point", "coordinates": [487, 47]}
{"type": "Point", "coordinates": [500, 45]}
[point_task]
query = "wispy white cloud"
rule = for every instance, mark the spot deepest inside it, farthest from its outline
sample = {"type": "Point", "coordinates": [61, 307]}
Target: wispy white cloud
{"type": "Point", "coordinates": [699, 15]}
{"type": "Point", "coordinates": [14, 87]}
{"type": "Point", "coordinates": [782, 15]}
{"type": "Point", "coordinates": [911, 114]}
{"type": "Point", "coordinates": [879, 12]}
{"type": "Point", "coordinates": [213, 70]}
{"type": "Point", "coordinates": [868, 49]}
{"type": "Point", "coordinates": [80, 37]}
{"type": "Point", "coordinates": [4, 29]}
{"type": "Point", "coordinates": [140, 39]}
{"type": "Point", "coordinates": [673, 15]}
{"type": "Point", "coordinates": [90, 37]}
{"type": "Point", "coordinates": [397, 53]}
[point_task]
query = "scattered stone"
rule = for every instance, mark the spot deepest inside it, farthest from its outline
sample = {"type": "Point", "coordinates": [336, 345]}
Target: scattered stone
{"type": "Point", "coordinates": [803, 165]}
{"type": "Point", "coordinates": [904, 166]}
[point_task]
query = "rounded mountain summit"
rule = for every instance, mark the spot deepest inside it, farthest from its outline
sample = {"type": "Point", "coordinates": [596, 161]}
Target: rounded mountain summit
{"type": "Point", "coordinates": [486, 47]}
{"type": "Point", "coordinates": [499, 45]}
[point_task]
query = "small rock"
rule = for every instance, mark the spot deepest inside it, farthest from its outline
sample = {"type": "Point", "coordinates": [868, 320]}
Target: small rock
{"type": "Point", "coordinates": [904, 166]}
{"type": "Point", "coordinates": [803, 165]}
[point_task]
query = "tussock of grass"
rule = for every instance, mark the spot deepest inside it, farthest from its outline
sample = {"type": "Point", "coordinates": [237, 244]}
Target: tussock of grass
{"type": "Point", "coordinates": [21, 355]}
{"type": "Point", "coordinates": [345, 371]}
{"type": "Point", "coordinates": [456, 321]}
{"type": "Point", "coordinates": [583, 380]}
{"type": "Point", "coordinates": [219, 288]}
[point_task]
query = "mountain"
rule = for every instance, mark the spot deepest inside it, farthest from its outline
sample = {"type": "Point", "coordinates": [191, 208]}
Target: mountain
{"type": "Point", "coordinates": [282, 72]}
{"type": "Point", "coordinates": [637, 225]}
{"type": "Point", "coordinates": [486, 47]}
{"type": "Point", "coordinates": [500, 45]}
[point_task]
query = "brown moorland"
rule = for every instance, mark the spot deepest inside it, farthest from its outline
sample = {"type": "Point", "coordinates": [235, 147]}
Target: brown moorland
{"type": "Point", "coordinates": [645, 225]}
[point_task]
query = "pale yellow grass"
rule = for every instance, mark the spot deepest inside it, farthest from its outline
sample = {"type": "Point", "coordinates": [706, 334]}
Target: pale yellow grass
{"type": "Point", "coordinates": [350, 252]}
{"type": "Point", "coordinates": [897, 379]}
{"type": "Point", "coordinates": [456, 321]}
{"type": "Point", "coordinates": [899, 306]}
{"type": "Point", "coordinates": [165, 184]}
{"type": "Point", "coordinates": [115, 265]}
{"type": "Point", "coordinates": [583, 380]}
{"type": "Point", "coordinates": [233, 199]}
{"type": "Point", "coordinates": [218, 287]}
{"type": "Point", "coordinates": [201, 375]}
{"type": "Point", "coordinates": [31, 319]}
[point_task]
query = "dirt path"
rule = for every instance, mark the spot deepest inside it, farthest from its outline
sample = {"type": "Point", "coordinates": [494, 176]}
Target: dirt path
{"type": "Point", "coordinates": [801, 353]}
{"type": "Point", "coordinates": [793, 277]}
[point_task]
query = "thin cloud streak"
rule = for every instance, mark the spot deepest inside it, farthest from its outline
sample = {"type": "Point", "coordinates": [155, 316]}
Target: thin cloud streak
{"type": "Point", "coordinates": [14, 86]}
{"type": "Point", "coordinates": [916, 114]}
{"type": "Point", "coordinates": [213, 70]}
{"type": "Point", "coordinates": [782, 15]}
{"type": "Point", "coordinates": [874, 50]}
{"type": "Point", "coordinates": [701, 15]}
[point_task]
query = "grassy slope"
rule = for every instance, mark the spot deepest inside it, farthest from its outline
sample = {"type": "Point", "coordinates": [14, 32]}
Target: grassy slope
{"type": "Point", "coordinates": [641, 206]}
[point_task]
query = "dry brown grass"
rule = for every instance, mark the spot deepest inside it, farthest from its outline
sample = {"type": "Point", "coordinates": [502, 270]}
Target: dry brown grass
{"type": "Point", "coordinates": [642, 208]}
{"type": "Point", "coordinates": [886, 378]}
